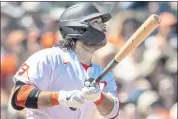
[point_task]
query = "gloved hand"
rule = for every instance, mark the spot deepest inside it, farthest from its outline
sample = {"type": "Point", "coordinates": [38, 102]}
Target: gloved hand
{"type": "Point", "coordinates": [94, 92]}
{"type": "Point", "coordinates": [73, 99]}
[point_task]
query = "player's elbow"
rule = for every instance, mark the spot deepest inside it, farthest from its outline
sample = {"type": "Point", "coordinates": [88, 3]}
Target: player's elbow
{"type": "Point", "coordinates": [24, 96]}
{"type": "Point", "coordinates": [13, 99]}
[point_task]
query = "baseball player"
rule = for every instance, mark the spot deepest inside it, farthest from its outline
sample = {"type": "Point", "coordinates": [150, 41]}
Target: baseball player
{"type": "Point", "coordinates": [54, 83]}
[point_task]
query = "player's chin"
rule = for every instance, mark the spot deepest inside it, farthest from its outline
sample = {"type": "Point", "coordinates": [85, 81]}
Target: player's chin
{"type": "Point", "coordinates": [103, 43]}
{"type": "Point", "coordinates": [100, 45]}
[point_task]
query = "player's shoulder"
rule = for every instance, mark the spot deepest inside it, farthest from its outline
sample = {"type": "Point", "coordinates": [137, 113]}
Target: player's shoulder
{"type": "Point", "coordinates": [100, 69]}
{"type": "Point", "coordinates": [48, 54]}
{"type": "Point", "coordinates": [97, 66]}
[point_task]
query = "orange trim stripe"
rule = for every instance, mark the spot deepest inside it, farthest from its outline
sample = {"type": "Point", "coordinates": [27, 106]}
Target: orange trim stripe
{"type": "Point", "coordinates": [23, 95]}
{"type": "Point", "coordinates": [54, 98]}
{"type": "Point", "coordinates": [98, 102]}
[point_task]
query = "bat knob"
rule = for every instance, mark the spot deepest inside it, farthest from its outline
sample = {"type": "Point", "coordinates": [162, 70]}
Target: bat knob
{"type": "Point", "coordinates": [156, 18]}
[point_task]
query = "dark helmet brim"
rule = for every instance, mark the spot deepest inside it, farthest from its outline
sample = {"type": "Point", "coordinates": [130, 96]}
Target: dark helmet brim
{"type": "Point", "coordinates": [105, 17]}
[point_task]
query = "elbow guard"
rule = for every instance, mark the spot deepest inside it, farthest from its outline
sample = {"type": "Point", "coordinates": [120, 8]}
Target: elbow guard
{"type": "Point", "coordinates": [115, 111]}
{"type": "Point", "coordinates": [25, 96]}
{"type": "Point", "coordinates": [14, 95]}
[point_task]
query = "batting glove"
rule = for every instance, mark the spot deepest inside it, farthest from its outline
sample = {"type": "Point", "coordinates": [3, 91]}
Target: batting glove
{"type": "Point", "coordinates": [92, 93]}
{"type": "Point", "coordinates": [73, 99]}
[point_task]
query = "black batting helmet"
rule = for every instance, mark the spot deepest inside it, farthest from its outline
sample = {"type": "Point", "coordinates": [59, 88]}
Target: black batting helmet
{"type": "Point", "coordinates": [72, 23]}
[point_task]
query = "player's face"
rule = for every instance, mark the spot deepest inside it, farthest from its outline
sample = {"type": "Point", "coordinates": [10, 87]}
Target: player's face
{"type": "Point", "coordinates": [98, 24]}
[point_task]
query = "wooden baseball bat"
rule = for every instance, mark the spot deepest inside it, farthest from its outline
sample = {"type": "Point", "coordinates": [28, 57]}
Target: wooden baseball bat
{"type": "Point", "coordinates": [134, 41]}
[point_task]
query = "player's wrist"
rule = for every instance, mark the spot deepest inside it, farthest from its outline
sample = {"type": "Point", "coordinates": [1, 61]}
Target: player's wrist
{"type": "Point", "coordinates": [99, 100]}
{"type": "Point", "coordinates": [62, 96]}
{"type": "Point", "coordinates": [55, 98]}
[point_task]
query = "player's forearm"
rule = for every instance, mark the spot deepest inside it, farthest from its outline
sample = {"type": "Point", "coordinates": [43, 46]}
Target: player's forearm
{"type": "Point", "coordinates": [47, 99]}
{"type": "Point", "coordinates": [106, 106]}
{"type": "Point", "coordinates": [31, 97]}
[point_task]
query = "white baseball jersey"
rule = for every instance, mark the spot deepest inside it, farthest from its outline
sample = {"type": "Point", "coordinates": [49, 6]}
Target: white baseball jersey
{"type": "Point", "coordinates": [53, 69]}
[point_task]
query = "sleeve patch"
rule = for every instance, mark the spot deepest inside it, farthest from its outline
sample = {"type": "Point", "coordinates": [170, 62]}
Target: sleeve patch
{"type": "Point", "coordinates": [23, 69]}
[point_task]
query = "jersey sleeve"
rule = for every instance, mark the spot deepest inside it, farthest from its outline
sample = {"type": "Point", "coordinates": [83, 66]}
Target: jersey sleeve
{"type": "Point", "coordinates": [111, 86]}
{"type": "Point", "coordinates": [36, 71]}
{"type": "Point", "coordinates": [109, 79]}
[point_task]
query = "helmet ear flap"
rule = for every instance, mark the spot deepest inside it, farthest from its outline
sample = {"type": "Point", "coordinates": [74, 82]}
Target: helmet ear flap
{"type": "Point", "coordinates": [61, 31]}
{"type": "Point", "coordinates": [68, 31]}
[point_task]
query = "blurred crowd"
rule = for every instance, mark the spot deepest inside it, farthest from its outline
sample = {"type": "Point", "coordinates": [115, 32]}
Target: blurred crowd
{"type": "Point", "coordinates": [146, 79]}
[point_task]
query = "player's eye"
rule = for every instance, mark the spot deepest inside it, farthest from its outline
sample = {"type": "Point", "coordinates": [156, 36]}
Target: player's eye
{"type": "Point", "coordinates": [95, 21]}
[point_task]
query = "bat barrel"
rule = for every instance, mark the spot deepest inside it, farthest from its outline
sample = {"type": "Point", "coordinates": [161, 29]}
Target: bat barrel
{"type": "Point", "coordinates": [139, 36]}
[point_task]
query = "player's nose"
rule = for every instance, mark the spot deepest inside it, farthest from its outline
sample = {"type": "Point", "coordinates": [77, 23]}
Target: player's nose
{"type": "Point", "coordinates": [103, 27]}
